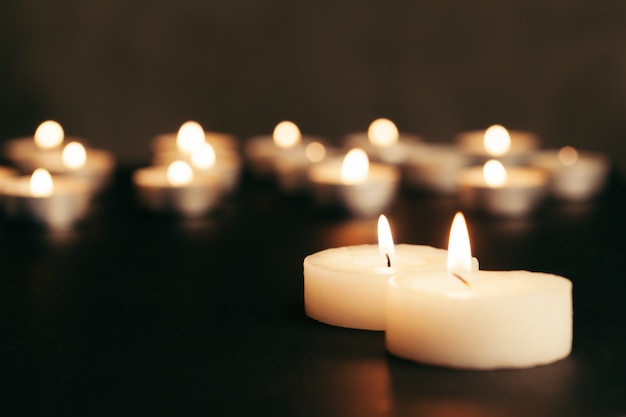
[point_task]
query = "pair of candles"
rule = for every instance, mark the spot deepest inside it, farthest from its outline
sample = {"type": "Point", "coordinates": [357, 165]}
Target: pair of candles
{"type": "Point", "coordinates": [192, 171]}
{"type": "Point", "coordinates": [437, 308]}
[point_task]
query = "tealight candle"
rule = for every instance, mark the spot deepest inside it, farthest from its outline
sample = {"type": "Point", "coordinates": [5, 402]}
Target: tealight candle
{"type": "Point", "coordinates": [383, 142]}
{"type": "Point", "coordinates": [468, 319]}
{"type": "Point", "coordinates": [347, 286]}
{"type": "Point", "coordinates": [362, 188]}
{"type": "Point", "coordinates": [175, 188]}
{"type": "Point", "coordinates": [493, 189]}
{"type": "Point", "coordinates": [291, 173]}
{"type": "Point", "coordinates": [176, 145]}
{"type": "Point", "coordinates": [496, 142]}
{"type": "Point", "coordinates": [574, 175]}
{"type": "Point", "coordinates": [434, 167]}
{"type": "Point", "coordinates": [57, 203]}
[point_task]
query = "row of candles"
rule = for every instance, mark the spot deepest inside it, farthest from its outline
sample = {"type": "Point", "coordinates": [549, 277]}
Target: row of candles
{"type": "Point", "coordinates": [495, 171]}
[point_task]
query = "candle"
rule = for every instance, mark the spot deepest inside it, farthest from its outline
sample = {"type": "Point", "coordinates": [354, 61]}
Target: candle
{"type": "Point", "coordinates": [574, 175]}
{"type": "Point", "coordinates": [347, 286]}
{"type": "Point", "coordinates": [363, 189]}
{"type": "Point", "coordinates": [175, 145]}
{"type": "Point", "coordinates": [175, 189]}
{"type": "Point", "coordinates": [478, 319]}
{"type": "Point", "coordinates": [434, 167]}
{"type": "Point", "coordinates": [383, 142]}
{"type": "Point", "coordinates": [57, 203]}
{"type": "Point", "coordinates": [493, 189]}
{"type": "Point", "coordinates": [510, 147]}
{"type": "Point", "coordinates": [291, 173]}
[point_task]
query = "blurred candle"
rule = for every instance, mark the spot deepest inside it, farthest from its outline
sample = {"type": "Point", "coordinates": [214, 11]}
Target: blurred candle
{"type": "Point", "coordinates": [511, 147]}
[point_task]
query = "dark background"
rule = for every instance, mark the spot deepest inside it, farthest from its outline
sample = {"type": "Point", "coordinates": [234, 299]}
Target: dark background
{"type": "Point", "coordinates": [117, 72]}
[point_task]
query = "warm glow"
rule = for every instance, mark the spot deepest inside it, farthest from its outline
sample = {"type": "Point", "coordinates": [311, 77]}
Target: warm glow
{"type": "Point", "coordinates": [459, 249]}
{"type": "Point", "coordinates": [74, 155]}
{"type": "Point", "coordinates": [203, 156]}
{"type": "Point", "coordinates": [382, 132]}
{"type": "Point", "coordinates": [355, 167]}
{"type": "Point", "coordinates": [568, 155]}
{"type": "Point", "coordinates": [41, 183]}
{"type": "Point", "coordinates": [497, 140]}
{"type": "Point", "coordinates": [49, 135]}
{"type": "Point", "coordinates": [190, 135]}
{"type": "Point", "coordinates": [179, 173]}
{"type": "Point", "coordinates": [494, 173]}
{"type": "Point", "coordinates": [385, 241]}
{"type": "Point", "coordinates": [286, 134]}
{"type": "Point", "coordinates": [315, 152]}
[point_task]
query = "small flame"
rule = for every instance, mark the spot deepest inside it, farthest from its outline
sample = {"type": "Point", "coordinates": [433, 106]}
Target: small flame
{"type": "Point", "coordinates": [286, 134]}
{"type": "Point", "coordinates": [49, 135]}
{"type": "Point", "coordinates": [190, 135]}
{"type": "Point", "coordinates": [383, 132]}
{"type": "Point", "coordinates": [497, 140]}
{"type": "Point", "coordinates": [41, 183]}
{"type": "Point", "coordinates": [315, 152]}
{"type": "Point", "coordinates": [179, 173]}
{"type": "Point", "coordinates": [494, 173]}
{"type": "Point", "coordinates": [74, 155]}
{"type": "Point", "coordinates": [385, 241]}
{"type": "Point", "coordinates": [459, 248]}
{"type": "Point", "coordinates": [568, 155]}
{"type": "Point", "coordinates": [355, 167]}
{"type": "Point", "coordinates": [203, 156]}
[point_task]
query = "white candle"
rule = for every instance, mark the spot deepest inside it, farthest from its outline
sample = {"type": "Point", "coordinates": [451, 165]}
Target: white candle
{"type": "Point", "coordinates": [178, 144]}
{"type": "Point", "coordinates": [363, 189]}
{"type": "Point", "coordinates": [434, 167]}
{"type": "Point", "coordinates": [57, 203]}
{"type": "Point", "coordinates": [574, 175]}
{"type": "Point", "coordinates": [176, 189]}
{"type": "Point", "coordinates": [499, 191]}
{"type": "Point", "coordinates": [479, 319]}
{"type": "Point", "coordinates": [512, 147]}
{"type": "Point", "coordinates": [347, 286]}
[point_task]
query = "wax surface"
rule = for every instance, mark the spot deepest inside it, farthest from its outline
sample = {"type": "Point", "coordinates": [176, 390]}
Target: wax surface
{"type": "Point", "coordinates": [513, 319]}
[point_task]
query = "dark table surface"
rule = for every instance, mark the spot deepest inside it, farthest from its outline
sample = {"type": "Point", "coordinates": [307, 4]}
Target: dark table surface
{"type": "Point", "coordinates": [136, 314]}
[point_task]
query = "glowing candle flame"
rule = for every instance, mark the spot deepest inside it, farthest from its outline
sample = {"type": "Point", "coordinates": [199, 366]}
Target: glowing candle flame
{"type": "Point", "coordinates": [497, 141]}
{"type": "Point", "coordinates": [41, 183]}
{"type": "Point", "coordinates": [494, 173]}
{"type": "Point", "coordinates": [315, 152]}
{"type": "Point", "coordinates": [286, 134]}
{"type": "Point", "coordinates": [383, 132]}
{"type": "Point", "coordinates": [190, 135]}
{"type": "Point", "coordinates": [49, 135]}
{"type": "Point", "coordinates": [385, 241]}
{"type": "Point", "coordinates": [459, 248]}
{"type": "Point", "coordinates": [203, 156]}
{"type": "Point", "coordinates": [355, 167]}
{"type": "Point", "coordinates": [179, 173]}
{"type": "Point", "coordinates": [568, 155]}
{"type": "Point", "coordinates": [74, 155]}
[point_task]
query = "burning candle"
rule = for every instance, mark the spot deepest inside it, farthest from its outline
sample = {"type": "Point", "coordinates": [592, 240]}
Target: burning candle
{"type": "Point", "coordinates": [496, 142]}
{"type": "Point", "coordinates": [57, 203]}
{"type": "Point", "coordinates": [493, 189]}
{"type": "Point", "coordinates": [175, 189]}
{"type": "Point", "coordinates": [347, 286]}
{"type": "Point", "coordinates": [574, 175]}
{"type": "Point", "coordinates": [169, 147]}
{"type": "Point", "coordinates": [434, 167]}
{"type": "Point", "coordinates": [363, 189]}
{"type": "Point", "coordinates": [478, 319]}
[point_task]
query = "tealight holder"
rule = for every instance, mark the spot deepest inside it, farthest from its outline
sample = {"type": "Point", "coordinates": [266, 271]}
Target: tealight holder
{"type": "Point", "coordinates": [434, 167]}
{"type": "Point", "coordinates": [521, 145]}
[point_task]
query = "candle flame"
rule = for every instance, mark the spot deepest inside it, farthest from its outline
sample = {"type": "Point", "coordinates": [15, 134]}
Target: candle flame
{"type": "Point", "coordinates": [286, 134]}
{"type": "Point", "coordinates": [49, 135]}
{"type": "Point", "coordinates": [385, 241]}
{"type": "Point", "coordinates": [382, 132]}
{"type": "Point", "coordinates": [568, 155]}
{"type": "Point", "coordinates": [355, 167]}
{"type": "Point", "coordinates": [494, 173]}
{"type": "Point", "coordinates": [497, 140]}
{"type": "Point", "coordinates": [203, 156]}
{"type": "Point", "coordinates": [315, 152]}
{"type": "Point", "coordinates": [459, 248]}
{"type": "Point", "coordinates": [74, 155]}
{"type": "Point", "coordinates": [190, 135]}
{"type": "Point", "coordinates": [179, 173]}
{"type": "Point", "coordinates": [41, 184]}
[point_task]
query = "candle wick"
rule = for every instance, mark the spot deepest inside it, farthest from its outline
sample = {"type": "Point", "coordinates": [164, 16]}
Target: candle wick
{"type": "Point", "coordinates": [463, 280]}
{"type": "Point", "coordinates": [388, 260]}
